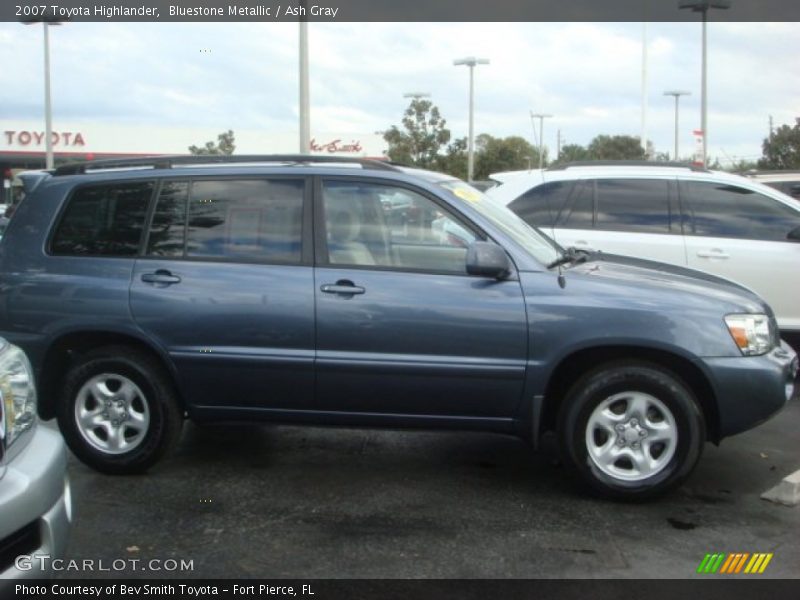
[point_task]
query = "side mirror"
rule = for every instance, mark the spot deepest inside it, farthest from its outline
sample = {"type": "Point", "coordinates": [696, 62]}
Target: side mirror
{"type": "Point", "coordinates": [487, 259]}
{"type": "Point", "coordinates": [794, 235]}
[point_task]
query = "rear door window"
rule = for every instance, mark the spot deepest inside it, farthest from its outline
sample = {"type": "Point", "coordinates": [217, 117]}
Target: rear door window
{"type": "Point", "coordinates": [234, 219]}
{"type": "Point", "coordinates": [103, 220]}
{"type": "Point", "coordinates": [167, 234]}
{"type": "Point", "coordinates": [633, 205]}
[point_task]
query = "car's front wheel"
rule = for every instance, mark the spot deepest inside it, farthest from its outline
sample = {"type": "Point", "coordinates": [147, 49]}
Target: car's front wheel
{"type": "Point", "coordinates": [632, 430]}
{"type": "Point", "coordinates": [118, 411]}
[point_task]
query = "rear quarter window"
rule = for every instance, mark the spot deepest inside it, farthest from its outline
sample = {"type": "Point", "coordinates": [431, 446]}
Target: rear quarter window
{"type": "Point", "coordinates": [103, 220]}
{"type": "Point", "coordinates": [578, 211]}
{"type": "Point", "coordinates": [541, 205]}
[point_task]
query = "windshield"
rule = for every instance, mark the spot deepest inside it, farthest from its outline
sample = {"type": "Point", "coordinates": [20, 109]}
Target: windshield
{"type": "Point", "coordinates": [531, 239]}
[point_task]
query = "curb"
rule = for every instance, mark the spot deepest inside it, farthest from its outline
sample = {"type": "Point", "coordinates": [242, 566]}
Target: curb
{"type": "Point", "coordinates": [787, 492]}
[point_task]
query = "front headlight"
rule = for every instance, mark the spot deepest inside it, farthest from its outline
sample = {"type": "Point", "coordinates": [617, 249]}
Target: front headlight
{"type": "Point", "coordinates": [17, 393]}
{"type": "Point", "coordinates": [752, 333]}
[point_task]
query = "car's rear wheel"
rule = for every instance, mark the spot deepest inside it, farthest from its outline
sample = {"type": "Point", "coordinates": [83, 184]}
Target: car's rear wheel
{"type": "Point", "coordinates": [118, 410]}
{"type": "Point", "coordinates": [631, 430]}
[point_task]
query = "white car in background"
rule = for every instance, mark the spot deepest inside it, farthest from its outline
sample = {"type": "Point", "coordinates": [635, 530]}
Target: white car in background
{"type": "Point", "coordinates": [787, 182]}
{"type": "Point", "coordinates": [723, 224]}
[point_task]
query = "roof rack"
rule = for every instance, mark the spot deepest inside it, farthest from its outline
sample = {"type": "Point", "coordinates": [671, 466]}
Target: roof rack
{"type": "Point", "coordinates": [627, 163]}
{"type": "Point", "coordinates": [168, 162]}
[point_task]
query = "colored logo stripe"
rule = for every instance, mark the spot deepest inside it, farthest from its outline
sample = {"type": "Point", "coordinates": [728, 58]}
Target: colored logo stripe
{"type": "Point", "coordinates": [736, 562]}
{"type": "Point", "coordinates": [758, 563]}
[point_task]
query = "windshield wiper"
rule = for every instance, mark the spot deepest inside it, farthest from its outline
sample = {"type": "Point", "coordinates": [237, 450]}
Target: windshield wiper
{"type": "Point", "coordinates": [571, 255]}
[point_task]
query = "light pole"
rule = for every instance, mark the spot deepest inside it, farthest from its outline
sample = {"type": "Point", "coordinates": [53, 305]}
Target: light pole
{"type": "Point", "coordinates": [48, 111]}
{"type": "Point", "coordinates": [305, 117]}
{"type": "Point", "coordinates": [677, 94]}
{"type": "Point", "coordinates": [643, 136]}
{"type": "Point", "coordinates": [703, 6]}
{"type": "Point", "coordinates": [541, 118]}
{"type": "Point", "coordinates": [471, 61]}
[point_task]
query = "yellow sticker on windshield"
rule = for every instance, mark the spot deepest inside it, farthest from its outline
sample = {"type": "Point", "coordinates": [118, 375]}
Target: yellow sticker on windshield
{"type": "Point", "coordinates": [468, 194]}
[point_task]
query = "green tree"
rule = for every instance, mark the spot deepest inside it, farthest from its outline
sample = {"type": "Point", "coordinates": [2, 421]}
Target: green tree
{"type": "Point", "coordinates": [495, 155]}
{"type": "Point", "coordinates": [572, 153]}
{"type": "Point", "coordinates": [454, 160]}
{"type": "Point", "coordinates": [422, 137]}
{"type": "Point", "coordinates": [616, 147]}
{"type": "Point", "coordinates": [662, 157]}
{"type": "Point", "coordinates": [224, 145]}
{"type": "Point", "coordinates": [782, 149]}
{"type": "Point", "coordinates": [740, 166]}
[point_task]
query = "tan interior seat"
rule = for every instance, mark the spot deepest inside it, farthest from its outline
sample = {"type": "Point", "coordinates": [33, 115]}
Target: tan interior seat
{"type": "Point", "coordinates": [344, 230]}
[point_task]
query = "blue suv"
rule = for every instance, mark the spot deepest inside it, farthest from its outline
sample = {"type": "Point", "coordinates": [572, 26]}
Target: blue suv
{"type": "Point", "coordinates": [283, 289]}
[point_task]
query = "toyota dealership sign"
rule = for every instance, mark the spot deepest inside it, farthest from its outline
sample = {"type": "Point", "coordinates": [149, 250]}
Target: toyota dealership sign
{"type": "Point", "coordinates": [87, 140]}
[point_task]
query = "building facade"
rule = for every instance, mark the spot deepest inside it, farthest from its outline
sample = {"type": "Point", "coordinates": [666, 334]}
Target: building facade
{"type": "Point", "coordinates": [23, 144]}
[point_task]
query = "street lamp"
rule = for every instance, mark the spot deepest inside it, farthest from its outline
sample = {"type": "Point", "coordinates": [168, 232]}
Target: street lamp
{"type": "Point", "coordinates": [470, 61]}
{"type": "Point", "coordinates": [677, 94]}
{"type": "Point", "coordinates": [541, 118]}
{"type": "Point", "coordinates": [303, 100]}
{"type": "Point", "coordinates": [703, 6]}
{"type": "Point", "coordinates": [48, 112]}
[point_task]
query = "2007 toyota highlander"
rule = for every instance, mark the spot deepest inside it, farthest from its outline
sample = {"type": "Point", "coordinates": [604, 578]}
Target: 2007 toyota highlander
{"type": "Point", "coordinates": [276, 288]}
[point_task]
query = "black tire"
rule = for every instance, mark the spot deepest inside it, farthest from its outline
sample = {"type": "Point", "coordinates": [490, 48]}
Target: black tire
{"type": "Point", "coordinates": [623, 386]}
{"type": "Point", "coordinates": [152, 399]}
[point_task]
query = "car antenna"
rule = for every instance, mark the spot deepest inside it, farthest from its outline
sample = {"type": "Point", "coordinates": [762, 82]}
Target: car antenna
{"type": "Point", "coordinates": [562, 281]}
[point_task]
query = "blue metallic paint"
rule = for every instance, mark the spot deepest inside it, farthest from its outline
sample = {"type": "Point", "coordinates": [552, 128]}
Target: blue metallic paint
{"type": "Point", "coordinates": [414, 350]}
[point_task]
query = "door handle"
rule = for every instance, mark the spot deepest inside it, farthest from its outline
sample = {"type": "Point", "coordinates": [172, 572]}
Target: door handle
{"type": "Point", "coordinates": [161, 276]}
{"type": "Point", "coordinates": [342, 287]}
{"type": "Point", "coordinates": [713, 253]}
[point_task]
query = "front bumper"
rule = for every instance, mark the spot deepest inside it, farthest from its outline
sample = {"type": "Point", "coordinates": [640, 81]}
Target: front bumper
{"type": "Point", "coordinates": [751, 389]}
{"type": "Point", "coordinates": [36, 507]}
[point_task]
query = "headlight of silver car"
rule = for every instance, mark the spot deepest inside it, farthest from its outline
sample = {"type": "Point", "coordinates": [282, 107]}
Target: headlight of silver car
{"type": "Point", "coordinates": [17, 393]}
{"type": "Point", "coordinates": [752, 333]}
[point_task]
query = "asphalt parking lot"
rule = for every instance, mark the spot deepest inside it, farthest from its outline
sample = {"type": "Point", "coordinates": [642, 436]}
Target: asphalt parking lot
{"type": "Point", "coordinates": [291, 502]}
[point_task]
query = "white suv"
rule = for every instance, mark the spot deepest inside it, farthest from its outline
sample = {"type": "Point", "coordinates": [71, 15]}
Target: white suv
{"type": "Point", "coordinates": [724, 224]}
{"type": "Point", "coordinates": [787, 182]}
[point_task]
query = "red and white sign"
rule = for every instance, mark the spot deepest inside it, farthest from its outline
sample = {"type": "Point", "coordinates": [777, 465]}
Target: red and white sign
{"type": "Point", "coordinates": [27, 138]}
{"type": "Point", "coordinates": [697, 159]}
{"type": "Point", "coordinates": [336, 147]}
{"type": "Point", "coordinates": [82, 138]}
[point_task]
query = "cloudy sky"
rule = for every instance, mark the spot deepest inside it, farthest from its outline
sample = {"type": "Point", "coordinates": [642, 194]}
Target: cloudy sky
{"type": "Point", "coordinates": [239, 76]}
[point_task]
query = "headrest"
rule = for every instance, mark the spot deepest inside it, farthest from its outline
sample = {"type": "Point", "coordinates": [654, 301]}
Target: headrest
{"type": "Point", "coordinates": [343, 225]}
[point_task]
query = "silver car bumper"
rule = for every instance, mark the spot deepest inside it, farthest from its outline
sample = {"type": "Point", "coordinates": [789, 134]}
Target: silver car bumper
{"type": "Point", "coordinates": [35, 505]}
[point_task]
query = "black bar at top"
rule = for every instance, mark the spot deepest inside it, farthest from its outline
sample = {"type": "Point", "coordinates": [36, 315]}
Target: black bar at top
{"type": "Point", "coordinates": [390, 10]}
